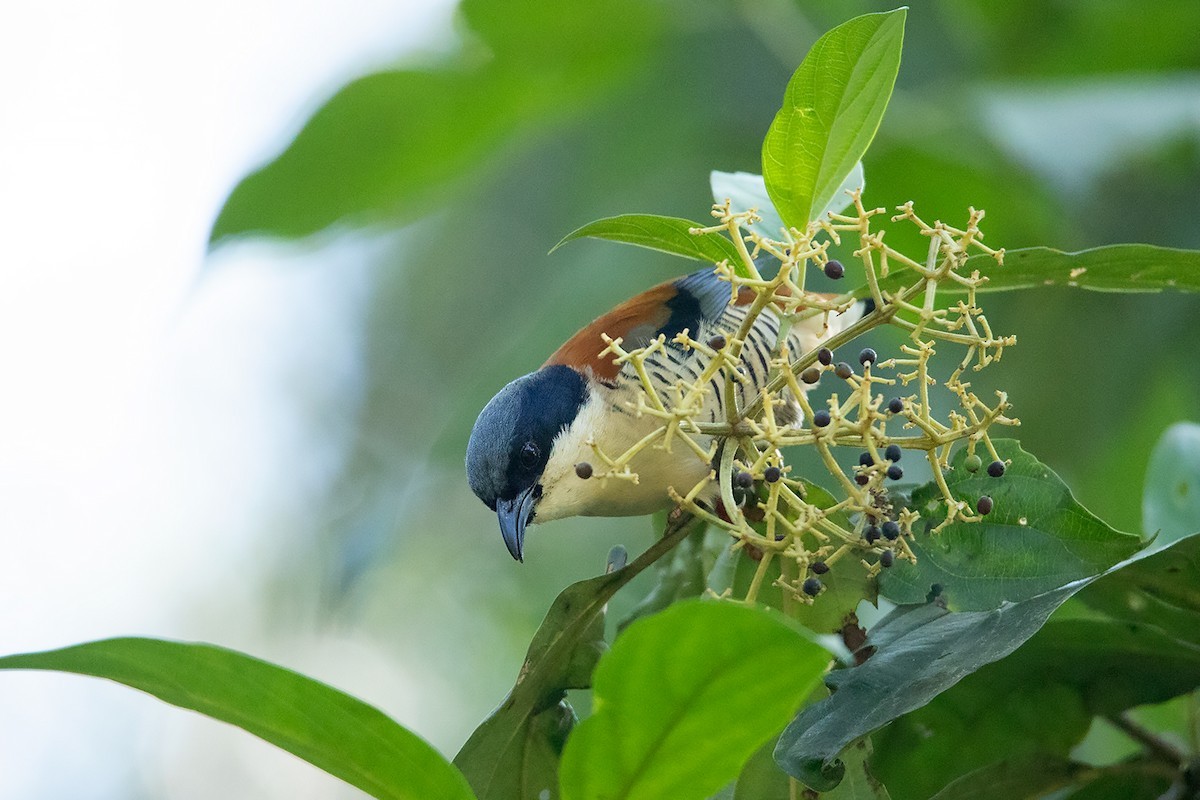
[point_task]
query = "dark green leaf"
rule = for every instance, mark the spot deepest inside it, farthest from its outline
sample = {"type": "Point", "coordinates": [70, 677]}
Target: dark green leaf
{"type": "Point", "coordinates": [515, 752]}
{"type": "Point", "coordinates": [329, 729]}
{"type": "Point", "coordinates": [666, 234]}
{"type": "Point", "coordinates": [1171, 507]}
{"type": "Point", "coordinates": [831, 110]}
{"type": "Point", "coordinates": [1037, 538]}
{"type": "Point", "coordinates": [1017, 779]}
{"type": "Point", "coordinates": [1086, 666]}
{"type": "Point", "coordinates": [684, 698]}
{"type": "Point", "coordinates": [681, 574]}
{"type": "Point", "coordinates": [1113, 268]}
{"type": "Point", "coordinates": [921, 651]}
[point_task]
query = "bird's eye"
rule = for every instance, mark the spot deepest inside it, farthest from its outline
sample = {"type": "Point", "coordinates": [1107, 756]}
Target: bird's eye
{"type": "Point", "coordinates": [530, 453]}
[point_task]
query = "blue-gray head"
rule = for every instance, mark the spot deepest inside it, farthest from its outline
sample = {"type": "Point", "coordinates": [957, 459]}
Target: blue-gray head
{"type": "Point", "coordinates": [512, 441]}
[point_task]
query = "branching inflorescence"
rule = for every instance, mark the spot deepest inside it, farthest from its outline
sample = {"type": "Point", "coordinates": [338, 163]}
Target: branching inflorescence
{"type": "Point", "coordinates": [883, 410]}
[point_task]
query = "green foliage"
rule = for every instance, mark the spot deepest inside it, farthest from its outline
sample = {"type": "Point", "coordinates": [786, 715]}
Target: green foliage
{"type": "Point", "coordinates": [327, 728]}
{"type": "Point", "coordinates": [831, 110]}
{"type": "Point", "coordinates": [1036, 538]}
{"type": "Point", "coordinates": [665, 234]}
{"type": "Point", "coordinates": [515, 752]}
{"type": "Point", "coordinates": [920, 651]}
{"type": "Point", "coordinates": [666, 696]}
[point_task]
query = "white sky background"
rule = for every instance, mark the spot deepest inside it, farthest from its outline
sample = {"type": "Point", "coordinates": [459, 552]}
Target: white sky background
{"type": "Point", "coordinates": [143, 418]}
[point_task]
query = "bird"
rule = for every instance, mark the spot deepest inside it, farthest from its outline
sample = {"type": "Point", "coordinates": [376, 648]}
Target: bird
{"type": "Point", "coordinates": [525, 445]}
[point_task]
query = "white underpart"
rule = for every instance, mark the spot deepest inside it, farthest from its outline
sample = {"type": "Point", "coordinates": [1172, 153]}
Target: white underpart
{"type": "Point", "coordinates": [607, 417]}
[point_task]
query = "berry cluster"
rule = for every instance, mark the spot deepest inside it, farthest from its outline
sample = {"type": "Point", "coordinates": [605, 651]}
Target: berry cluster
{"type": "Point", "coordinates": [882, 408]}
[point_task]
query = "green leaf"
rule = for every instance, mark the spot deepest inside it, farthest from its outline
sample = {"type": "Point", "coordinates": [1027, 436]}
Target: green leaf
{"type": "Point", "coordinates": [665, 234]}
{"type": "Point", "coordinates": [1171, 507]}
{"type": "Point", "coordinates": [1112, 268]}
{"type": "Point", "coordinates": [831, 110]}
{"type": "Point", "coordinates": [920, 651]}
{"type": "Point", "coordinates": [1036, 538]}
{"type": "Point", "coordinates": [680, 576]}
{"type": "Point", "coordinates": [515, 752]}
{"type": "Point", "coordinates": [1018, 779]}
{"type": "Point", "coordinates": [329, 729]}
{"type": "Point", "coordinates": [684, 698]}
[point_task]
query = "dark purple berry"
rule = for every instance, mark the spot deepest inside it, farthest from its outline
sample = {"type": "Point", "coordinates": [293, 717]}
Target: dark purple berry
{"type": "Point", "coordinates": [821, 418]}
{"type": "Point", "coordinates": [895, 472]}
{"type": "Point", "coordinates": [819, 567]}
{"type": "Point", "coordinates": [834, 269]}
{"type": "Point", "coordinates": [865, 460]}
{"type": "Point", "coordinates": [583, 469]}
{"type": "Point", "coordinates": [743, 480]}
{"type": "Point", "coordinates": [862, 479]}
{"type": "Point", "coordinates": [896, 405]}
{"type": "Point", "coordinates": [771, 474]}
{"type": "Point", "coordinates": [810, 375]}
{"type": "Point", "coordinates": [843, 370]}
{"type": "Point", "coordinates": [825, 356]}
{"type": "Point", "coordinates": [887, 558]}
{"type": "Point", "coordinates": [867, 356]}
{"type": "Point", "coordinates": [996, 469]}
{"type": "Point", "coordinates": [984, 505]}
{"type": "Point", "coordinates": [717, 342]}
{"type": "Point", "coordinates": [892, 453]}
{"type": "Point", "coordinates": [891, 530]}
{"type": "Point", "coordinates": [872, 534]}
{"type": "Point", "coordinates": [812, 587]}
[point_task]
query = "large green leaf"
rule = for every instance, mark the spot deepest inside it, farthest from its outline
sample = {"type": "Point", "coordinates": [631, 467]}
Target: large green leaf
{"type": "Point", "coordinates": [665, 234]}
{"type": "Point", "coordinates": [1112, 268]}
{"type": "Point", "coordinates": [390, 146]}
{"type": "Point", "coordinates": [329, 729]}
{"type": "Point", "coordinates": [1036, 538]}
{"type": "Point", "coordinates": [1171, 504]}
{"type": "Point", "coordinates": [1083, 668]}
{"type": "Point", "coordinates": [515, 752]}
{"type": "Point", "coordinates": [684, 698]}
{"type": "Point", "coordinates": [831, 110]}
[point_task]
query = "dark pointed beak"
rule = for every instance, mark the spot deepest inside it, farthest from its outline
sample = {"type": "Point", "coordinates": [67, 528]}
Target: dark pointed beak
{"type": "Point", "coordinates": [514, 516]}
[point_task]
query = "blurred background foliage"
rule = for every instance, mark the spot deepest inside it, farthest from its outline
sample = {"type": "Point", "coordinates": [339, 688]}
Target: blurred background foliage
{"type": "Point", "coordinates": [1073, 124]}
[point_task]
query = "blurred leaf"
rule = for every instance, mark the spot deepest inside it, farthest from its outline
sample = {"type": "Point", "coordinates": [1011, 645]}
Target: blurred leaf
{"type": "Point", "coordinates": [831, 110]}
{"type": "Point", "coordinates": [389, 146]}
{"type": "Point", "coordinates": [684, 698]}
{"type": "Point", "coordinates": [921, 651]}
{"type": "Point", "coordinates": [1017, 779]}
{"type": "Point", "coordinates": [666, 234]}
{"type": "Point", "coordinates": [1036, 538]}
{"type": "Point", "coordinates": [385, 147]}
{"type": "Point", "coordinates": [331, 730]}
{"type": "Point", "coordinates": [1171, 506]}
{"type": "Point", "coordinates": [1113, 268]}
{"type": "Point", "coordinates": [515, 752]}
